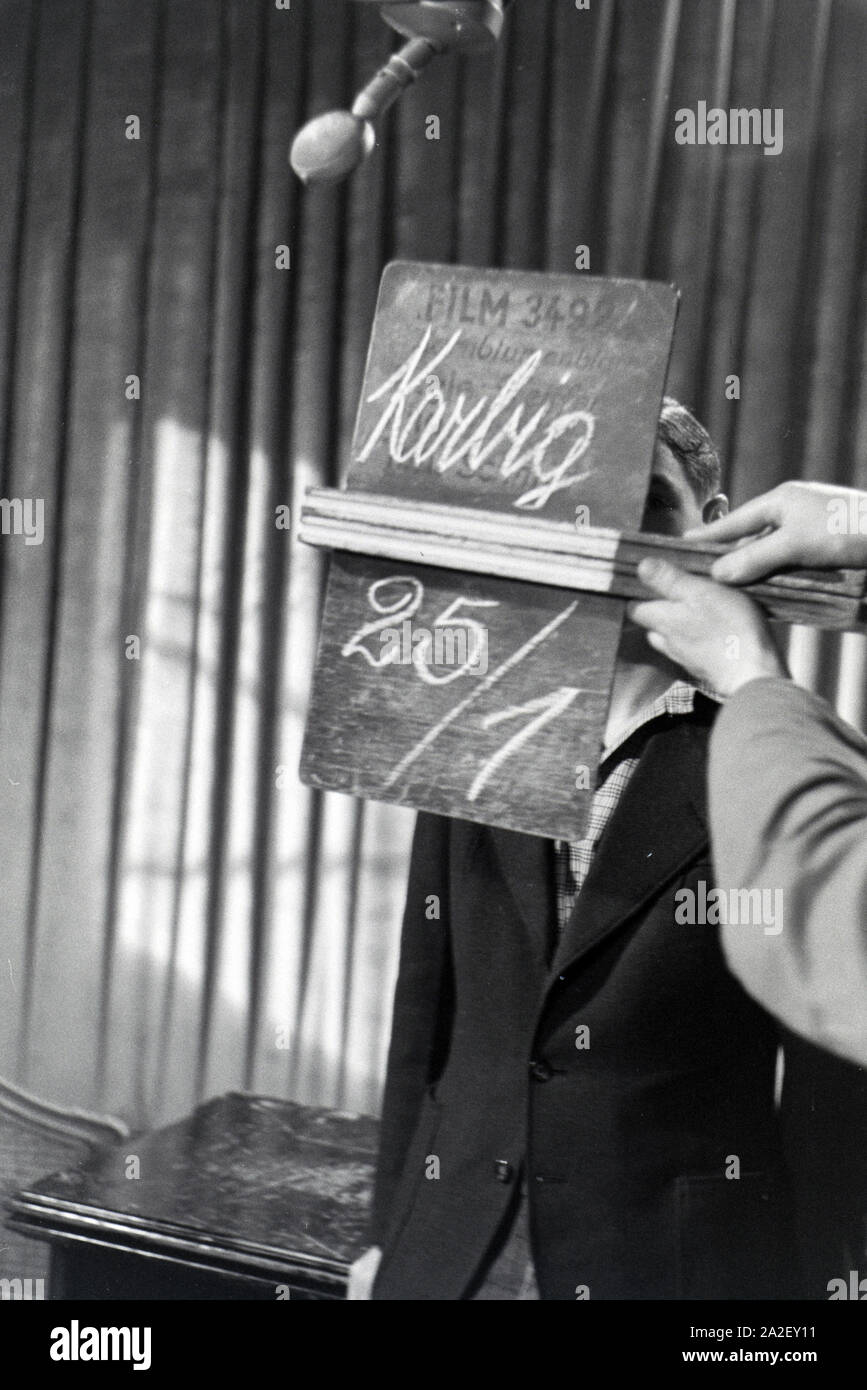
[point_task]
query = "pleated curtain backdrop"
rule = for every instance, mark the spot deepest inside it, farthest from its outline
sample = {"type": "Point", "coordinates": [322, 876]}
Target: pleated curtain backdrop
{"type": "Point", "coordinates": [179, 915]}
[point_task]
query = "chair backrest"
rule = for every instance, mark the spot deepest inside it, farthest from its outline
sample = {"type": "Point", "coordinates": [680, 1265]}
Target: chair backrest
{"type": "Point", "coordinates": [37, 1138]}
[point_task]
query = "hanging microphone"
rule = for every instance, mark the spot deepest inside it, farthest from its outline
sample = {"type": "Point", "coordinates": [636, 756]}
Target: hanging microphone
{"type": "Point", "coordinates": [336, 143]}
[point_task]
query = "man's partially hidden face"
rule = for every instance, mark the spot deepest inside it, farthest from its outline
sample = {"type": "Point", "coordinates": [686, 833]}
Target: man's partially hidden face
{"type": "Point", "coordinates": [672, 506]}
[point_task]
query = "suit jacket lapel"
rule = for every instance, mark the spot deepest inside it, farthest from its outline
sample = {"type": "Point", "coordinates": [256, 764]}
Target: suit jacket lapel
{"type": "Point", "coordinates": [659, 825]}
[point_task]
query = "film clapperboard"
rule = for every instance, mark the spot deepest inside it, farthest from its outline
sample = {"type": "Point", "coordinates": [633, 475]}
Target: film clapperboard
{"type": "Point", "coordinates": [486, 541]}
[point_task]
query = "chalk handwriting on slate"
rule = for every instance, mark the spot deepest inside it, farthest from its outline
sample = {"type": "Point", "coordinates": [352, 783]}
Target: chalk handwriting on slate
{"type": "Point", "coordinates": [544, 708]}
{"type": "Point", "coordinates": [405, 606]}
{"type": "Point", "coordinates": [548, 707]}
{"type": "Point", "coordinates": [423, 427]}
{"type": "Point", "coordinates": [503, 392]}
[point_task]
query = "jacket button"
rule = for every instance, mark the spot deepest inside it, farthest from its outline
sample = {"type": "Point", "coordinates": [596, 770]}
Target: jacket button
{"type": "Point", "coordinates": [541, 1071]}
{"type": "Point", "coordinates": [503, 1170]}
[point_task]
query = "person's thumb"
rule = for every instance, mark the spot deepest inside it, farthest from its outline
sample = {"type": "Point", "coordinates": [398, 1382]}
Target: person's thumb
{"type": "Point", "coordinates": [662, 578]}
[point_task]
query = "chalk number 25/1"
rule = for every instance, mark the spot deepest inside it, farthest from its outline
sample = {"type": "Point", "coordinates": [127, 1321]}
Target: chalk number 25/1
{"type": "Point", "coordinates": [543, 709]}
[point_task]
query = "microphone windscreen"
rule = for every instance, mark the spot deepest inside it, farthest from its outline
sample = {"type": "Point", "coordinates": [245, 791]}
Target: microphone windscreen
{"type": "Point", "coordinates": [331, 146]}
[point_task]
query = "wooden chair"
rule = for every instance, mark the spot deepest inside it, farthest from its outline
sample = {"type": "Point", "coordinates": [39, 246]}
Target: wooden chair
{"type": "Point", "coordinates": [38, 1138]}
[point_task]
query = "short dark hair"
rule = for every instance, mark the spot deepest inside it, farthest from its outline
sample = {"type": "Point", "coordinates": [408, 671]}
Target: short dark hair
{"type": "Point", "coordinates": [692, 446]}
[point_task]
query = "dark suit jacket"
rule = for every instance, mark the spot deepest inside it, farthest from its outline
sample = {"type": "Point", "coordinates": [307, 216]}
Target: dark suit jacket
{"type": "Point", "coordinates": [788, 810]}
{"type": "Point", "coordinates": [625, 1144]}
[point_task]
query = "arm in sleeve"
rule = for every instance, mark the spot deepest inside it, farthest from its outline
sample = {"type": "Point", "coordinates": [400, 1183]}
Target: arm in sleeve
{"type": "Point", "coordinates": [788, 814]}
{"type": "Point", "coordinates": [421, 1018]}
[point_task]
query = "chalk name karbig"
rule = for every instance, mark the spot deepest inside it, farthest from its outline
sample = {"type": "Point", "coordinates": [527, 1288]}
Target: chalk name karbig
{"type": "Point", "coordinates": [423, 426]}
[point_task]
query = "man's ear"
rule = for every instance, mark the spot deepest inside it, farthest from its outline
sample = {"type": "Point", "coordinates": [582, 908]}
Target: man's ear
{"type": "Point", "coordinates": [714, 508]}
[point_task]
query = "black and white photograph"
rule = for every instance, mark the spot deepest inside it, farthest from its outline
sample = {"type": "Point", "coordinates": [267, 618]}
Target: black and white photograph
{"type": "Point", "coordinates": [433, 676]}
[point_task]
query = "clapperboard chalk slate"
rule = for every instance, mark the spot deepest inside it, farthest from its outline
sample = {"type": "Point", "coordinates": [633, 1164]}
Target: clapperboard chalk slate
{"type": "Point", "coordinates": [485, 542]}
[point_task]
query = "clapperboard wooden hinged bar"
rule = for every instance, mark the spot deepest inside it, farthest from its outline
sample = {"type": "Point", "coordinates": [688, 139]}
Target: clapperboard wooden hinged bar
{"type": "Point", "coordinates": [486, 541]}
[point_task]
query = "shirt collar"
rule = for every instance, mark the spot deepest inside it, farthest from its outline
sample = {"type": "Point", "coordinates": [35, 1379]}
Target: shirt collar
{"type": "Point", "coordinates": [679, 698]}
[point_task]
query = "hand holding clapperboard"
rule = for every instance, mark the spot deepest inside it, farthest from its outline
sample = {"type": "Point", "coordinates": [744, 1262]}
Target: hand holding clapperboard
{"type": "Point", "coordinates": [504, 441]}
